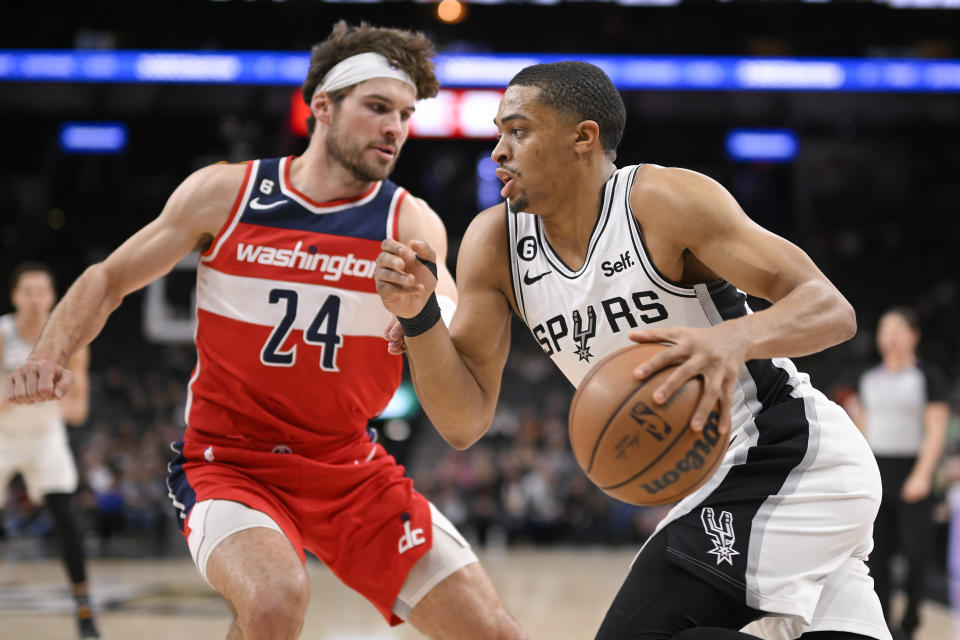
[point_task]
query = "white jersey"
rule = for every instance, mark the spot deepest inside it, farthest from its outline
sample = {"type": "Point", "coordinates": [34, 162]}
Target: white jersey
{"type": "Point", "coordinates": [18, 419]}
{"type": "Point", "coordinates": [796, 463]}
{"type": "Point", "coordinates": [578, 317]}
{"type": "Point", "coordinates": [33, 437]}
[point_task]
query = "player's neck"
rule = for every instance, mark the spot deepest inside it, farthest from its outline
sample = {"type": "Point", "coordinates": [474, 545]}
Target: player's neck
{"type": "Point", "coordinates": [899, 361]}
{"type": "Point", "coordinates": [322, 179]}
{"type": "Point", "coordinates": [29, 327]}
{"type": "Point", "coordinates": [569, 225]}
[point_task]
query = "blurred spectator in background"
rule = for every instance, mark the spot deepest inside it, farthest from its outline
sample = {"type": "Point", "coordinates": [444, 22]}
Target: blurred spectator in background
{"type": "Point", "coordinates": [33, 439]}
{"type": "Point", "coordinates": [902, 410]}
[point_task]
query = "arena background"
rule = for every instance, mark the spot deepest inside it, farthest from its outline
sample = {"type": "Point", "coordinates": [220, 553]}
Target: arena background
{"type": "Point", "coordinates": [871, 193]}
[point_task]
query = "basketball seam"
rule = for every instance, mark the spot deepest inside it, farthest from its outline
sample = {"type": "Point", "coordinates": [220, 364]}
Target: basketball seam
{"type": "Point", "coordinates": [652, 462]}
{"type": "Point", "coordinates": [596, 445]}
{"type": "Point", "coordinates": [576, 397]}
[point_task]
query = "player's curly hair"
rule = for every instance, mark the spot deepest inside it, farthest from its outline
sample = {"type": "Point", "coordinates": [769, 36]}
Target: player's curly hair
{"type": "Point", "coordinates": [581, 90]}
{"type": "Point", "coordinates": [409, 50]}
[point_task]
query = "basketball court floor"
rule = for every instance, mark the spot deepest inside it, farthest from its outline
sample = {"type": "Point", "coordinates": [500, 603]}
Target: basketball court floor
{"type": "Point", "coordinates": [556, 594]}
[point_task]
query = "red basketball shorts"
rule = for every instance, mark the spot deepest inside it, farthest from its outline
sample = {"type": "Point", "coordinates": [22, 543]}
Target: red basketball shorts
{"type": "Point", "coordinates": [352, 507]}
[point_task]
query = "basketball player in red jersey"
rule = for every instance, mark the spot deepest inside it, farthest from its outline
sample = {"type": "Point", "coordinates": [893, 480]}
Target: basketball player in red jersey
{"type": "Point", "coordinates": [591, 257]}
{"type": "Point", "coordinates": [276, 458]}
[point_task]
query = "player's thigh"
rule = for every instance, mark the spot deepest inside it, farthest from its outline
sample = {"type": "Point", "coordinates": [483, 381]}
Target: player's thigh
{"type": "Point", "coordinates": [659, 600]}
{"type": "Point", "coordinates": [245, 556]}
{"type": "Point", "coordinates": [447, 594]}
{"type": "Point", "coordinates": [847, 604]}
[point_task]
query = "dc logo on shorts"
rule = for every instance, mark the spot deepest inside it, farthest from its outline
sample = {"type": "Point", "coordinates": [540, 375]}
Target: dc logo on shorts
{"type": "Point", "coordinates": [721, 534]}
{"type": "Point", "coordinates": [411, 537]}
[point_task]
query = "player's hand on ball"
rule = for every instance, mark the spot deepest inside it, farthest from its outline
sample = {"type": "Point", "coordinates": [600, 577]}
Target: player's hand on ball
{"type": "Point", "coordinates": [38, 381]}
{"type": "Point", "coordinates": [396, 344]}
{"type": "Point", "coordinates": [403, 282]}
{"type": "Point", "coordinates": [716, 354]}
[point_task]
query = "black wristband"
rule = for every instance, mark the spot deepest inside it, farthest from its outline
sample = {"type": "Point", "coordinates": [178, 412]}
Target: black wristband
{"type": "Point", "coordinates": [423, 321]}
{"type": "Point", "coordinates": [432, 266]}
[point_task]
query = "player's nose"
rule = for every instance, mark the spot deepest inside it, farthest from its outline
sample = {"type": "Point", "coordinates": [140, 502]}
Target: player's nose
{"type": "Point", "coordinates": [393, 126]}
{"type": "Point", "coordinates": [499, 153]}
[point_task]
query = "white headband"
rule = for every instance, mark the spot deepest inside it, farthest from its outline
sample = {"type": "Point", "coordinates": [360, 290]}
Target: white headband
{"type": "Point", "coordinates": [358, 68]}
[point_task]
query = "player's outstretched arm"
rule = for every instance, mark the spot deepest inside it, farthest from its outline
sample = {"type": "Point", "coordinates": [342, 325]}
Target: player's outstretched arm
{"type": "Point", "coordinates": [715, 238]}
{"type": "Point", "coordinates": [457, 372]}
{"type": "Point", "coordinates": [192, 216]}
{"type": "Point", "coordinates": [75, 405]}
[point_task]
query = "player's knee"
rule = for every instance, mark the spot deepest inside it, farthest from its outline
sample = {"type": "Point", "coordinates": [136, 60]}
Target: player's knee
{"type": "Point", "coordinates": [506, 628]}
{"type": "Point", "coordinates": [512, 631]}
{"type": "Point", "coordinates": [274, 608]}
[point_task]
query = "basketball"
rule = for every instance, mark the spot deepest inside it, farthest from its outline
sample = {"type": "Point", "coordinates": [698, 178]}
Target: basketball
{"type": "Point", "coordinates": [634, 449]}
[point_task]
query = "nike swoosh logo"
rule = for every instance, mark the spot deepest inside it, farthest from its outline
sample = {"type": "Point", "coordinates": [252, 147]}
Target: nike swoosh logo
{"type": "Point", "coordinates": [528, 280]}
{"type": "Point", "coordinates": [255, 204]}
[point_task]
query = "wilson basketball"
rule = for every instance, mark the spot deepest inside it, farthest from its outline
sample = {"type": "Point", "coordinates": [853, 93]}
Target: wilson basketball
{"type": "Point", "coordinates": [634, 449]}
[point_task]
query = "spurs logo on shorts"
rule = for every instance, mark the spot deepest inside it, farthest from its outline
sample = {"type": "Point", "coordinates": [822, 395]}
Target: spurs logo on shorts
{"type": "Point", "coordinates": [411, 537]}
{"type": "Point", "coordinates": [722, 534]}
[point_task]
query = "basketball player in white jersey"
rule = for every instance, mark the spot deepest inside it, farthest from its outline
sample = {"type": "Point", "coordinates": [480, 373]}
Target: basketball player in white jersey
{"type": "Point", "coordinates": [33, 439]}
{"type": "Point", "coordinates": [591, 257]}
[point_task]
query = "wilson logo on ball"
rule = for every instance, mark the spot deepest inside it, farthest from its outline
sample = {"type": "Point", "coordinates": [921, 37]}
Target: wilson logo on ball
{"type": "Point", "coordinates": [695, 457]}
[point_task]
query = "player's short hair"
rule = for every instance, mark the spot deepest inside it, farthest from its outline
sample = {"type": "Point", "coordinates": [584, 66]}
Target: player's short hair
{"type": "Point", "coordinates": [909, 316]}
{"type": "Point", "coordinates": [30, 266]}
{"type": "Point", "coordinates": [410, 51]}
{"type": "Point", "coordinates": [581, 90]}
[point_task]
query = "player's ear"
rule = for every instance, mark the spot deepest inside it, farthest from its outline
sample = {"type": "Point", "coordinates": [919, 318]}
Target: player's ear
{"type": "Point", "coordinates": [321, 107]}
{"type": "Point", "coordinates": [588, 136]}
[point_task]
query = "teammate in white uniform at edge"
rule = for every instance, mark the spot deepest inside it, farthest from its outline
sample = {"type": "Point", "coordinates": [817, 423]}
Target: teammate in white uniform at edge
{"type": "Point", "coordinates": [33, 439]}
{"type": "Point", "coordinates": [592, 257]}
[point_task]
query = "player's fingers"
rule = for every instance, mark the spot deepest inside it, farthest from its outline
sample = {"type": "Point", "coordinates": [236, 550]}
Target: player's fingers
{"type": "Point", "coordinates": [391, 261]}
{"type": "Point", "coordinates": [726, 406]}
{"type": "Point", "coordinates": [8, 387]}
{"type": "Point", "coordinates": [63, 383]}
{"type": "Point", "coordinates": [708, 400]}
{"type": "Point", "coordinates": [46, 375]}
{"type": "Point", "coordinates": [654, 335]}
{"type": "Point", "coordinates": [396, 347]}
{"type": "Point", "coordinates": [424, 250]}
{"type": "Point", "coordinates": [392, 331]}
{"type": "Point", "coordinates": [30, 382]}
{"type": "Point", "coordinates": [665, 358]}
{"type": "Point", "coordinates": [675, 380]}
{"type": "Point", "coordinates": [400, 279]}
{"type": "Point", "coordinates": [390, 245]}
{"type": "Point", "coordinates": [15, 387]}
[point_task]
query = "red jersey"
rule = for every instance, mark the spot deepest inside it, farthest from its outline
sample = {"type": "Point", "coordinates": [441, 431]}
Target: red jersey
{"type": "Point", "coordinates": [289, 334]}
